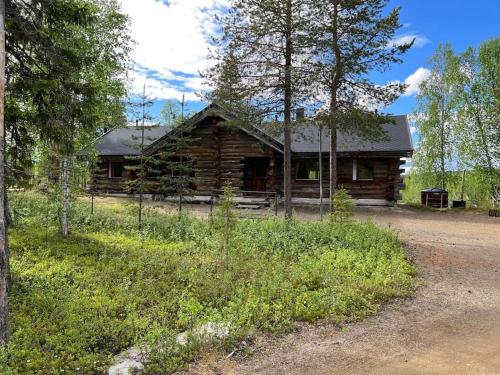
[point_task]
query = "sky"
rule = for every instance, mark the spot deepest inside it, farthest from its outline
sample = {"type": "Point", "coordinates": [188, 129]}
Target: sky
{"type": "Point", "coordinates": [172, 40]}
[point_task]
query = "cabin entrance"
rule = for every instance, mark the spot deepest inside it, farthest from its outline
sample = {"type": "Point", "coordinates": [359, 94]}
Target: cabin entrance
{"type": "Point", "coordinates": [255, 174]}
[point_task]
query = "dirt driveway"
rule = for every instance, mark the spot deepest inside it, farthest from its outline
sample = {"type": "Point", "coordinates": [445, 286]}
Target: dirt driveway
{"type": "Point", "coordinates": [452, 326]}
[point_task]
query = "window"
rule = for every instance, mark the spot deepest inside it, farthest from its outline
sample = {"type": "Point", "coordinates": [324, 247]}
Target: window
{"type": "Point", "coordinates": [115, 170]}
{"type": "Point", "coordinates": [362, 170]}
{"type": "Point", "coordinates": [308, 170]}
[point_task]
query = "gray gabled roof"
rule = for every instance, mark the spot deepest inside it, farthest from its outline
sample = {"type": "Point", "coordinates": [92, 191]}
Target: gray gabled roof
{"type": "Point", "coordinates": [126, 141]}
{"type": "Point", "coordinates": [306, 139]}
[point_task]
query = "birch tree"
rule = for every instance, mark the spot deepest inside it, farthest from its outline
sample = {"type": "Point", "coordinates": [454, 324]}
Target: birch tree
{"type": "Point", "coordinates": [435, 117]}
{"type": "Point", "coordinates": [355, 38]}
{"type": "Point", "coordinates": [478, 121]}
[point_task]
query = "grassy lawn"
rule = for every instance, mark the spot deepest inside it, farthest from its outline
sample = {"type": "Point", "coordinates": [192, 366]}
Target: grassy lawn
{"type": "Point", "coordinates": [75, 303]}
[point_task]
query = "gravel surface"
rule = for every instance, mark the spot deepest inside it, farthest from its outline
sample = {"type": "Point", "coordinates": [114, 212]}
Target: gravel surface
{"type": "Point", "coordinates": [451, 326]}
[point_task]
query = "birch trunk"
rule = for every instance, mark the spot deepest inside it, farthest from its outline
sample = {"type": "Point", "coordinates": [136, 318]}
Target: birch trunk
{"type": "Point", "coordinates": [4, 251]}
{"type": "Point", "coordinates": [66, 204]}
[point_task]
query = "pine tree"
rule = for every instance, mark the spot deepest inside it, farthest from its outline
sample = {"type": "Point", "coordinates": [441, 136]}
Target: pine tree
{"type": "Point", "coordinates": [354, 38]}
{"type": "Point", "coordinates": [263, 65]}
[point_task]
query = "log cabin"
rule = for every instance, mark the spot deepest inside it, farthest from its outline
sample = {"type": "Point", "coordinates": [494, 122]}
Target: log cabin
{"type": "Point", "coordinates": [251, 158]}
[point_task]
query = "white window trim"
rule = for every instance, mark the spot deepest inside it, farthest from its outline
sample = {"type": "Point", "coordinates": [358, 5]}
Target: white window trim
{"type": "Point", "coordinates": [355, 170]}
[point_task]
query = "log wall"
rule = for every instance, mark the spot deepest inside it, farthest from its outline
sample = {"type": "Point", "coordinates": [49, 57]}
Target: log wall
{"type": "Point", "coordinates": [387, 174]}
{"type": "Point", "coordinates": [219, 152]}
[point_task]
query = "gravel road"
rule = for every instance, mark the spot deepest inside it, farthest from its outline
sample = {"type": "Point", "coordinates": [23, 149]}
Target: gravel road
{"type": "Point", "coordinates": [451, 326]}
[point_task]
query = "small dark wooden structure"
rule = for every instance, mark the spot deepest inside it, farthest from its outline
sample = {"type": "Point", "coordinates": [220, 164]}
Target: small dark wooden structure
{"type": "Point", "coordinates": [434, 197]}
{"type": "Point", "coordinates": [250, 157]}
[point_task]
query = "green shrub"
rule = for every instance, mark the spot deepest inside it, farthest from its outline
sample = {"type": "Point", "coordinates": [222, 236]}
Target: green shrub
{"type": "Point", "coordinates": [343, 206]}
{"type": "Point", "coordinates": [77, 302]}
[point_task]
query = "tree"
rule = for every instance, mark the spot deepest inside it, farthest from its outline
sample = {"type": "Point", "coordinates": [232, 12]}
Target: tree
{"type": "Point", "coordinates": [66, 64]}
{"type": "Point", "coordinates": [435, 117]}
{"type": "Point", "coordinates": [98, 181]}
{"type": "Point", "coordinates": [263, 63]}
{"type": "Point", "coordinates": [4, 255]}
{"type": "Point", "coordinates": [478, 102]}
{"type": "Point", "coordinates": [355, 38]}
{"type": "Point", "coordinates": [138, 168]}
{"type": "Point", "coordinates": [171, 168]}
{"type": "Point", "coordinates": [63, 62]}
{"type": "Point", "coordinates": [171, 114]}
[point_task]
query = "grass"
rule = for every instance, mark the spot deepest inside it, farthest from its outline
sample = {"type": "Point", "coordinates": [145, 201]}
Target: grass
{"type": "Point", "coordinates": [75, 303]}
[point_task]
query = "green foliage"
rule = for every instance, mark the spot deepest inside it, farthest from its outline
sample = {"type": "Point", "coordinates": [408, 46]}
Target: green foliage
{"type": "Point", "coordinates": [436, 105]}
{"type": "Point", "coordinates": [343, 206]}
{"type": "Point", "coordinates": [476, 187]}
{"type": "Point", "coordinates": [458, 122]}
{"type": "Point", "coordinates": [77, 302]}
{"type": "Point", "coordinates": [224, 218]}
{"type": "Point", "coordinates": [71, 83]}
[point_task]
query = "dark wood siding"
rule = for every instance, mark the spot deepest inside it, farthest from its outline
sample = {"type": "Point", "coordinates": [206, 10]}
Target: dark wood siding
{"type": "Point", "coordinates": [386, 179]}
{"type": "Point", "coordinates": [219, 154]}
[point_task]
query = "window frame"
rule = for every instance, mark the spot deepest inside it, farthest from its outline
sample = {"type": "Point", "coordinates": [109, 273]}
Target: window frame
{"type": "Point", "coordinates": [356, 167]}
{"type": "Point", "coordinates": [316, 165]}
{"type": "Point", "coordinates": [111, 170]}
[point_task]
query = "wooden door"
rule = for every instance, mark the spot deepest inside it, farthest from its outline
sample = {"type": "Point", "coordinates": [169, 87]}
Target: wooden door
{"type": "Point", "coordinates": [255, 174]}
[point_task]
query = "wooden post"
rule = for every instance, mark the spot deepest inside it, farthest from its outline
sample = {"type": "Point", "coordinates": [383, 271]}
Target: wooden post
{"type": "Point", "coordinates": [276, 202]}
{"type": "Point", "coordinates": [211, 204]}
{"type": "Point", "coordinates": [321, 172]}
{"type": "Point", "coordinates": [442, 200]}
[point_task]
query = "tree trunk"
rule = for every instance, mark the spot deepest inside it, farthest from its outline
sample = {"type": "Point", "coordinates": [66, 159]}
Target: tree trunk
{"type": "Point", "coordinates": [4, 252]}
{"type": "Point", "coordinates": [486, 149]}
{"type": "Point", "coordinates": [66, 204]}
{"type": "Point", "coordinates": [287, 126]}
{"type": "Point", "coordinates": [333, 163]}
{"type": "Point", "coordinates": [333, 105]}
{"type": "Point", "coordinates": [442, 156]}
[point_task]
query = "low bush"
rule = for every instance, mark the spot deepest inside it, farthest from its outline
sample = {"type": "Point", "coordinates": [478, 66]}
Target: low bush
{"type": "Point", "coordinates": [75, 303]}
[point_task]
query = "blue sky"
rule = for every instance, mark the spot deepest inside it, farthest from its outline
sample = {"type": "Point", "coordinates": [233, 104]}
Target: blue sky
{"type": "Point", "coordinates": [172, 46]}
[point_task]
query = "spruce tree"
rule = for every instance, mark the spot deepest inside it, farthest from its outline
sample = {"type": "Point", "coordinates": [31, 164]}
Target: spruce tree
{"type": "Point", "coordinates": [140, 165]}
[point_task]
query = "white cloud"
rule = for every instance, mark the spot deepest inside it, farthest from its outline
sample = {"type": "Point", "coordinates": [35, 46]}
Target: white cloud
{"type": "Point", "coordinates": [171, 43]}
{"type": "Point", "coordinates": [414, 81]}
{"type": "Point", "coordinates": [420, 40]}
{"type": "Point", "coordinates": [157, 88]}
{"type": "Point", "coordinates": [413, 129]}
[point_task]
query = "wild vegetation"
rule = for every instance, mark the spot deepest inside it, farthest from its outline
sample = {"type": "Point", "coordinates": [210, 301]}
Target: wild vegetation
{"type": "Point", "coordinates": [76, 302]}
{"type": "Point", "coordinates": [458, 125]}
